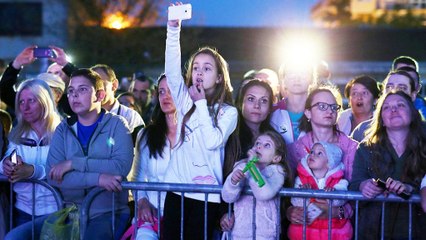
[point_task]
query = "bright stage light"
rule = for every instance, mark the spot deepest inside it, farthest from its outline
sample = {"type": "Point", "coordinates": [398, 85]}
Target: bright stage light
{"type": "Point", "coordinates": [301, 48]}
{"type": "Point", "coordinates": [116, 21]}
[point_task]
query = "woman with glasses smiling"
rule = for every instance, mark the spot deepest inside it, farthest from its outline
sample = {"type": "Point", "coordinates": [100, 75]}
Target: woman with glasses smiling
{"type": "Point", "coordinates": [319, 124]}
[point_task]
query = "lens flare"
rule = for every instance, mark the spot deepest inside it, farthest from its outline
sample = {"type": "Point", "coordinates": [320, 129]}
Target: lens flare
{"type": "Point", "coordinates": [301, 49]}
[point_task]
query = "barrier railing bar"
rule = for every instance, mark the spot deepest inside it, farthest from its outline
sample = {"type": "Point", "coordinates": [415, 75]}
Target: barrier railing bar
{"type": "Point", "coordinates": [330, 207]}
{"type": "Point", "coordinates": [279, 219]}
{"type": "Point", "coordinates": [113, 214]}
{"type": "Point", "coordinates": [356, 219]}
{"type": "Point", "coordinates": [304, 219]}
{"type": "Point", "coordinates": [206, 200]}
{"type": "Point", "coordinates": [382, 223]}
{"type": "Point", "coordinates": [253, 222]}
{"type": "Point", "coordinates": [33, 212]}
{"type": "Point", "coordinates": [181, 214]}
{"type": "Point", "coordinates": [34, 182]}
{"type": "Point", "coordinates": [135, 223]}
{"type": "Point", "coordinates": [84, 211]}
{"type": "Point", "coordinates": [158, 213]}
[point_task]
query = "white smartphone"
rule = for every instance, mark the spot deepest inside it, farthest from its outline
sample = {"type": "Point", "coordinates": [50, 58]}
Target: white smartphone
{"type": "Point", "coordinates": [313, 211]}
{"type": "Point", "coordinates": [180, 12]}
{"type": "Point", "coordinates": [13, 157]}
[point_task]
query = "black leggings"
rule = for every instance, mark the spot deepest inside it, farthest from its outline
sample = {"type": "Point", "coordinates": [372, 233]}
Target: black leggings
{"type": "Point", "coordinates": [193, 227]}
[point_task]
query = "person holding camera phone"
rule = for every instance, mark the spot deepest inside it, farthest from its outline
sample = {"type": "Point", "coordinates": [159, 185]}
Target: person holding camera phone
{"type": "Point", "coordinates": [26, 57]}
{"type": "Point", "coordinates": [393, 152]}
{"type": "Point", "coordinates": [29, 143]}
{"type": "Point", "coordinates": [206, 120]}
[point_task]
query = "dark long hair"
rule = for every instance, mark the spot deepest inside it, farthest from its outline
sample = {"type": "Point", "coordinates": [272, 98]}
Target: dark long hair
{"type": "Point", "coordinates": [156, 131]}
{"type": "Point", "coordinates": [245, 135]}
{"type": "Point", "coordinates": [377, 138]}
{"type": "Point", "coordinates": [242, 138]}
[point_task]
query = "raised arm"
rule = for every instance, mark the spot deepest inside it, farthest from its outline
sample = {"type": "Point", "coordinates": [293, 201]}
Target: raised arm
{"type": "Point", "coordinates": [10, 75]}
{"type": "Point", "coordinates": [173, 71]}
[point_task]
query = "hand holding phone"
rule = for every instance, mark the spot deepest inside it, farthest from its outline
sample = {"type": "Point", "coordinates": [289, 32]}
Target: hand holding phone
{"type": "Point", "coordinates": [313, 212]}
{"type": "Point", "coordinates": [180, 12]}
{"type": "Point", "coordinates": [382, 185]}
{"type": "Point", "coordinates": [44, 52]}
{"type": "Point", "coordinates": [13, 158]}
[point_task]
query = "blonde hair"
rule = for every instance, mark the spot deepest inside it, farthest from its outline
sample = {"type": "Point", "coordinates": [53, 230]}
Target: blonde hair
{"type": "Point", "coordinates": [49, 113]}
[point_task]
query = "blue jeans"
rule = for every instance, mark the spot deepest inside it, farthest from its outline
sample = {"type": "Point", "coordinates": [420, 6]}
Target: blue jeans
{"type": "Point", "coordinates": [24, 226]}
{"type": "Point", "coordinates": [101, 228]}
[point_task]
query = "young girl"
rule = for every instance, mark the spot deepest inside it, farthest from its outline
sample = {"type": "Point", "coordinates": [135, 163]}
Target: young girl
{"type": "Point", "coordinates": [270, 148]}
{"type": "Point", "coordinates": [206, 119]}
{"type": "Point", "coordinates": [322, 168]}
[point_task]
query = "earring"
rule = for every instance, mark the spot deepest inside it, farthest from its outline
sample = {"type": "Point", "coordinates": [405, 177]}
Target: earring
{"type": "Point", "coordinates": [309, 120]}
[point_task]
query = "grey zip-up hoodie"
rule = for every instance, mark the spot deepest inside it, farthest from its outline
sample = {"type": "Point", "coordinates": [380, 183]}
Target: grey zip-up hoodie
{"type": "Point", "coordinates": [110, 150]}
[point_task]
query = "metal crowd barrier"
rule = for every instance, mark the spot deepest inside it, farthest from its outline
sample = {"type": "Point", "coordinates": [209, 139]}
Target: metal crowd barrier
{"type": "Point", "coordinates": [284, 192]}
{"type": "Point", "coordinates": [215, 189]}
{"type": "Point", "coordinates": [56, 195]}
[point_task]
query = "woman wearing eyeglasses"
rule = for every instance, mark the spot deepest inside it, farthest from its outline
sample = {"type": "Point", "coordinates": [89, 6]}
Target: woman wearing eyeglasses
{"type": "Point", "coordinates": [319, 124]}
{"type": "Point", "coordinates": [362, 92]}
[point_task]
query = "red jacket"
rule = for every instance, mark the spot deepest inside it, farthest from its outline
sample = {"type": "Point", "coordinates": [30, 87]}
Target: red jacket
{"type": "Point", "coordinates": [341, 228]}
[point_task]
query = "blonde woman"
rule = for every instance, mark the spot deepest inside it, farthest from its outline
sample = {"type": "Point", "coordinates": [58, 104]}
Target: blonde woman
{"type": "Point", "coordinates": [37, 119]}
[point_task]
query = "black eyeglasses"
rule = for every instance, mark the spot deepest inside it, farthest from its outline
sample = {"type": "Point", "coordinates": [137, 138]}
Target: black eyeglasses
{"type": "Point", "coordinates": [324, 106]}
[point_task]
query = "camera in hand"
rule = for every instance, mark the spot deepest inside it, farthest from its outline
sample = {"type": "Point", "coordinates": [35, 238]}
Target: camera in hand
{"type": "Point", "coordinates": [382, 185]}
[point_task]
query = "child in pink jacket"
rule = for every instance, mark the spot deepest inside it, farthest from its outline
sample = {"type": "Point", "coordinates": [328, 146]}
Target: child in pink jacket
{"type": "Point", "coordinates": [321, 168]}
{"type": "Point", "coordinates": [270, 148]}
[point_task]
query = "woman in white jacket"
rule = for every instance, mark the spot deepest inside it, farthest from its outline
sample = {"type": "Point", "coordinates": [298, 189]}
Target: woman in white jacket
{"type": "Point", "coordinates": [153, 150]}
{"type": "Point", "coordinates": [37, 119]}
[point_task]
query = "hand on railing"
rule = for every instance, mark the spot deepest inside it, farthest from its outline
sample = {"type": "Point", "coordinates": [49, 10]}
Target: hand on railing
{"type": "Point", "coordinates": [227, 223]}
{"type": "Point", "coordinates": [146, 211]}
{"type": "Point", "coordinates": [110, 182]}
{"type": "Point", "coordinates": [58, 171]}
{"type": "Point", "coordinates": [370, 189]}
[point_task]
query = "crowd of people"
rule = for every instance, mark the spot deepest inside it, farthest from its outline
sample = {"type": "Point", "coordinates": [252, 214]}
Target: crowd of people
{"type": "Point", "coordinates": [75, 130]}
